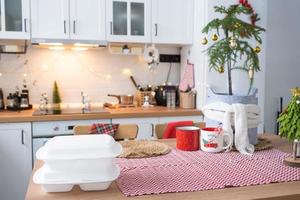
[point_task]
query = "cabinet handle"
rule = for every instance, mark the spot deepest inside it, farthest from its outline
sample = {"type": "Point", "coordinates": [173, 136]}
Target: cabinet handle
{"type": "Point", "coordinates": [155, 29]}
{"type": "Point", "coordinates": [111, 28]}
{"type": "Point", "coordinates": [65, 28]}
{"type": "Point", "coordinates": [25, 25]}
{"type": "Point", "coordinates": [22, 136]}
{"type": "Point", "coordinates": [74, 25]}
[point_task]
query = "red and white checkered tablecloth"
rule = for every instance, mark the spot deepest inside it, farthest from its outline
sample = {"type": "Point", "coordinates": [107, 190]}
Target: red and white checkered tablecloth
{"type": "Point", "coordinates": [181, 171]}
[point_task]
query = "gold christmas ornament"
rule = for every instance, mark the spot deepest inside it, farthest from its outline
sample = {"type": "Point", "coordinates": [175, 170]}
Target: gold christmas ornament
{"type": "Point", "coordinates": [233, 43]}
{"type": "Point", "coordinates": [214, 37]}
{"type": "Point", "coordinates": [237, 25]}
{"type": "Point", "coordinates": [251, 73]}
{"type": "Point", "coordinates": [204, 41]}
{"type": "Point", "coordinates": [221, 69]}
{"type": "Point", "coordinates": [257, 49]}
{"type": "Point", "coordinates": [295, 91]}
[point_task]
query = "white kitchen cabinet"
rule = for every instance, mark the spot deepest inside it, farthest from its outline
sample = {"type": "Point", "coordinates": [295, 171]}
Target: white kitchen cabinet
{"type": "Point", "coordinates": [14, 19]}
{"type": "Point", "coordinates": [68, 20]}
{"type": "Point", "coordinates": [50, 19]}
{"type": "Point", "coordinates": [87, 19]}
{"type": "Point", "coordinates": [172, 21]}
{"type": "Point", "coordinates": [15, 156]}
{"type": "Point", "coordinates": [128, 21]}
{"type": "Point", "coordinates": [145, 125]}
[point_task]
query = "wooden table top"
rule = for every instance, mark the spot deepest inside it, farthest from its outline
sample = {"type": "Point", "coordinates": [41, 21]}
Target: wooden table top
{"type": "Point", "coordinates": [277, 191]}
{"type": "Point", "coordinates": [157, 111]}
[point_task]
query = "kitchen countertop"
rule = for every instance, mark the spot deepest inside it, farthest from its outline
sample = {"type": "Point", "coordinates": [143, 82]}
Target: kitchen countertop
{"type": "Point", "coordinates": [275, 191]}
{"type": "Point", "coordinates": [26, 115]}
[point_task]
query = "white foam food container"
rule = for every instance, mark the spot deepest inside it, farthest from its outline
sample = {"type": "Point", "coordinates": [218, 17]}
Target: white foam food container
{"type": "Point", "coordinates": [61, 182]}
{"type": "Point", "coordinates": [83, 147]}
{"type": "Point", "coordinates": [78, 153]}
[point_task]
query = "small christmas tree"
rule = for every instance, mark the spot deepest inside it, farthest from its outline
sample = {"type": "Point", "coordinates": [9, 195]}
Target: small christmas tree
{"type": "Point", "coordinates": [234, 45]}
{"type": "Point", "coordinates": [289, 120]}
{"type": "Point", "coordinates": [55, 95]}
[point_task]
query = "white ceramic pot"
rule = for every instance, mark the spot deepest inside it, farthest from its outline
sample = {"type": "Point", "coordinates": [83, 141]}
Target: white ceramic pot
{"type": "Point", "coordinates": [231, 99]}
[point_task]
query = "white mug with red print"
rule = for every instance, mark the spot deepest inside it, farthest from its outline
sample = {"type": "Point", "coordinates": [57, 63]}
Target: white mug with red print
{"type": "Point", "coordinates": [213, 139]}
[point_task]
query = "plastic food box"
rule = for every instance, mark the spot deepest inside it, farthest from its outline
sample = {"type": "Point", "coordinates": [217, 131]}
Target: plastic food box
{"type": "Point", "coordinates": [87, 161]}
{"type": "Point", "coordinates": [80, 152]}
{"type": "Point", "coordinates": [60, 182]}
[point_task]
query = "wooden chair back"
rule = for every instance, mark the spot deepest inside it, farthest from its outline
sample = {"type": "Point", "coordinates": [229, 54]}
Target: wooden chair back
{"type": "Point", "coordinates": [160, 129]}
{"type": "Point", "coordinates": [125, 131]}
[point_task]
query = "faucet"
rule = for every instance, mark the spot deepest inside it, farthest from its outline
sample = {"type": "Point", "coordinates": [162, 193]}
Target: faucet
{"type": "Point", "coordinates": [85, 101]}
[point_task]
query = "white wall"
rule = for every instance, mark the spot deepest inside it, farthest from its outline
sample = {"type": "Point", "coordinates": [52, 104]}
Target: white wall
{"type": "Point", "coordinates": [204, 12]}
{"type": "Point", "coordinates": [96, 72]}
{"type": "Point", "coordinates": [283, 56]}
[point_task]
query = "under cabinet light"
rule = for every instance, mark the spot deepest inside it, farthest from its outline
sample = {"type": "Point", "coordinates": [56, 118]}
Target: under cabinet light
{"type": "Point", "coordinates": [56, 48]}
{"type": "Point", "coordinates": [51, 44]}
{"type": "Point", "coordinates": [85, 45]}
{"type": "Point", "coordinates": [79, 48]}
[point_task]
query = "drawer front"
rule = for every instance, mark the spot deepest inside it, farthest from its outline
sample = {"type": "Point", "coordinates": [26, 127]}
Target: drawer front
{"type": "Point", "coordinates": [60, 127]}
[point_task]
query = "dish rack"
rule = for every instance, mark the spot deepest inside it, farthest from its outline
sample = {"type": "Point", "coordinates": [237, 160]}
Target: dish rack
{"type": "Point", "coordinates": [140, 97]}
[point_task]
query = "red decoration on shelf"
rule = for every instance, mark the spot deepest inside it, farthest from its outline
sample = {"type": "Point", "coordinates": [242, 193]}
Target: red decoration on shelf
{"type": "Point", "coordinates": [253, 17]}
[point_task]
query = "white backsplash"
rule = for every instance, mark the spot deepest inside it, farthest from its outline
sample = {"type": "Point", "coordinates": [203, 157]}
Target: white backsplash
{"type": "Point", "coordinates": [96, 72]}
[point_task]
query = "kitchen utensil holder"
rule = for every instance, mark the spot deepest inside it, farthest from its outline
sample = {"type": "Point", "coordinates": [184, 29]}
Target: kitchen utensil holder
{"type": "Point", "coordinates": [140, 97]}
{"type": "Point", "coordinates": [187, 100]}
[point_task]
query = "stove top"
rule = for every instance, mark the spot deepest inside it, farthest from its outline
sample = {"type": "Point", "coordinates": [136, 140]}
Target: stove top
{"type": "Point", "coordinates": [62, 111]}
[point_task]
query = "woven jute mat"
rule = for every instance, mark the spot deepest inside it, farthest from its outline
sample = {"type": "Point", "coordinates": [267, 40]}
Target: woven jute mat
{"type": "Point", "coordinates": [262, 144]}
{"type": "Point", "coordinates": [143, 148]}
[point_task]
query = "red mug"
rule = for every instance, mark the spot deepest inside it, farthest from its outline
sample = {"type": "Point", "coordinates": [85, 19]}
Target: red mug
{"type": "Point", "coordinates": [187, 138]}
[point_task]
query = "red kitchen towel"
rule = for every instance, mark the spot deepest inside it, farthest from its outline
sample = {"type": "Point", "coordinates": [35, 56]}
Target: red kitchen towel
{"type": "Point", "coordinates": [170, 131]}
{"type": "Point", "coordinates": [109, 129]}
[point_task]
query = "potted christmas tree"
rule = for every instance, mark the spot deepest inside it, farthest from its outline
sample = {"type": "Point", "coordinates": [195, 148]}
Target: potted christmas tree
{"type": "Point", "coordinates": [231, 49]}
{"type": "Point", "coordinates": [234, 46]}
{"type": "Point", "coordinates": [56, 99]}
{"type": "Point", "coordinates": [289, 126]}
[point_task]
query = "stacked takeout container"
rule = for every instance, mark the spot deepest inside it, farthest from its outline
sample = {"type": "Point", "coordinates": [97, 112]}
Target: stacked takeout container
{"type": "Point", "coordinates": [87, 161]}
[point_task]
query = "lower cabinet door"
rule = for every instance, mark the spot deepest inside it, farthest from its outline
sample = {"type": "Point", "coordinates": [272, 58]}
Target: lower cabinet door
{"type": "Point", "coordinates": [15, 164]}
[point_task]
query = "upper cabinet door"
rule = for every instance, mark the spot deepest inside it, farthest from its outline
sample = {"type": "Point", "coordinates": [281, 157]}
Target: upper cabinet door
{"type": "Point", "coordinates": [14, 19]}
{"type": "Point", "coordinates": [50, 19]}
{"type": "Point", "coordinates": [128, 20]}
{"type": "Point", "coordinates": [172, 21]}
{"type": "Point", "coordinates": [87, 19]}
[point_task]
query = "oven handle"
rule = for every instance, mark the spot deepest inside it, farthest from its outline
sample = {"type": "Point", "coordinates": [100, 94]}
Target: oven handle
{"type": "Point", "coordinates": [50, 136]}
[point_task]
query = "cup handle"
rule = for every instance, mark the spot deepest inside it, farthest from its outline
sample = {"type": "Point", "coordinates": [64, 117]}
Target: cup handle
{"type": "Point", "coordinates": [229, 145]}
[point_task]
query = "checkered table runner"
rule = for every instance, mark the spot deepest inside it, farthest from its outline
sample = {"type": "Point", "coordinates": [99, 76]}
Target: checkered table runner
{"type": "Point", "coordinates": [181, 171]}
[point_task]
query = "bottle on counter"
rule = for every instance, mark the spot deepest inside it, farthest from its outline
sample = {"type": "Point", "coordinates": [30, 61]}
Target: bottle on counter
{"type": "Point", "coordinates": [10, 101]}
{"type": "Point", "coordinates": [24, 99]}
{"type": "Point", "coordinates": [2, 105]}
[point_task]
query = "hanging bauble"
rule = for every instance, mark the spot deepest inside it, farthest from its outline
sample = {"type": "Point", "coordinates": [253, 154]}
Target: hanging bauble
{"type": "Point", "coordinates": [237, 25]}
{"type": "Point", "coordinates": [214, 37]}
{"type": "Point", "coordinates": [204, 41]}
{"type": "Point", "coordinates": [251, 73]}
{"type": "Point", "coordinates": [221, 69]}
{"type": "Point", "coordinates": [233, 43]}
{"type": "Point", "coordinates": [257, 49]}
